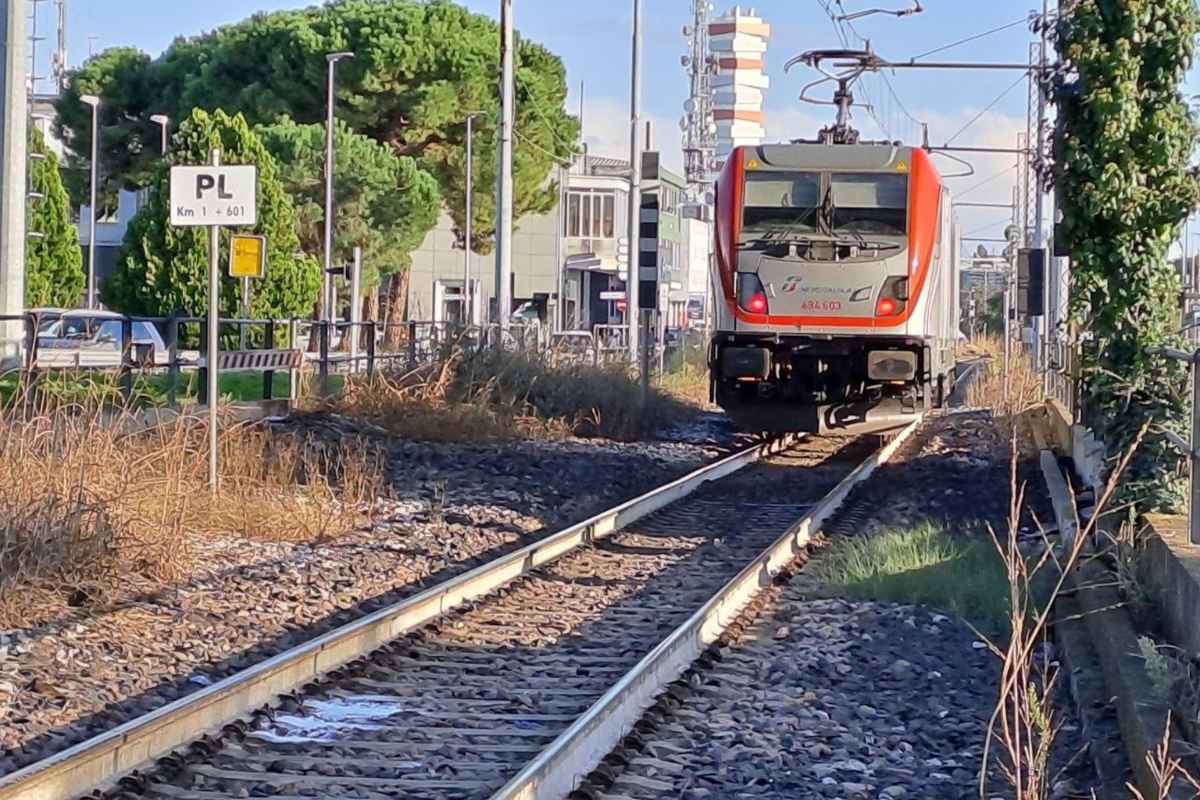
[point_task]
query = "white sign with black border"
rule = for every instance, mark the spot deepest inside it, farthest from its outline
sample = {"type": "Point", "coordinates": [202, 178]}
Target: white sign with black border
{"type": "Point", "coordinates": [225, 196]}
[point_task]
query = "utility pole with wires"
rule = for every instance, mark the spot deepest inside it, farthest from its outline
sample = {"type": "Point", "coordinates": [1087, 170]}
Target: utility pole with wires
{"type": "Point", "coordinates": [1050, 299]}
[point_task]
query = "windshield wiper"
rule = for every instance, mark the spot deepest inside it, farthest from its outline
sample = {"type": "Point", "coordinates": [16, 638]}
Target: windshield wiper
{"type": "Point", "coordinates": [786, 234]}
{"type": "Point", "coordinates": [827, 209]}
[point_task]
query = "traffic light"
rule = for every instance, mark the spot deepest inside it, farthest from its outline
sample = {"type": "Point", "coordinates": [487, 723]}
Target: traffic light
{"type": "Point", "coordinates": [1031, 282]}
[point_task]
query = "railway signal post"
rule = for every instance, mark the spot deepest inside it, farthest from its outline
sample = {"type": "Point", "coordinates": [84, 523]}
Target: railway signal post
{"type": "Point", "coordinates": [647, 262]}
{"type": "Point", "coordinates": [215, 197]}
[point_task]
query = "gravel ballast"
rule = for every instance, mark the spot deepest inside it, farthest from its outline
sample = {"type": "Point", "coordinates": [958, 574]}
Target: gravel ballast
{"type": "Point", "coordinates": [818, 696]}
{"type": "Point", "coordinates": [450, 508]}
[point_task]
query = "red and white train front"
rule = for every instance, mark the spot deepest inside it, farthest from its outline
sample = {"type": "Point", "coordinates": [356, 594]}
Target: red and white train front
{"type": "Point", "coordinates": [836, 280]}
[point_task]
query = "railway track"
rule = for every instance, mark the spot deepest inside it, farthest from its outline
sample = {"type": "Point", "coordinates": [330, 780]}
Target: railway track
{"type": "Point", "coordinates": [511, 681]}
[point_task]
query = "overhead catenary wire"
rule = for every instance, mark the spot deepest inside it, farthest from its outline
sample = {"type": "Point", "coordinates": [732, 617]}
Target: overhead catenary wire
{"type": "Point", "coordinates": [988, 226]}
{"type": "Point", "coordinates": [839, 28]}
{"type": "Point", "coordinates": [988, 108]}
{"type": "Point", "coordinates": [969, 39]}
{"type": "Point", "coordinates": [841, 25]}
{"type": "Point", "coordinates": [987, 181]}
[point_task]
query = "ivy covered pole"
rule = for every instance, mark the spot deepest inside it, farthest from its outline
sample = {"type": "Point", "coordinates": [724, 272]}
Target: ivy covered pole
{"type": "Point", "coordinates": [1122, 151]}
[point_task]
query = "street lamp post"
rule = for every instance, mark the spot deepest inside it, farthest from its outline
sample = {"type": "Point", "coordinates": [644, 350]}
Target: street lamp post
{"type": "Point", "coordinates": [93, 101]}
{"type": "Point", "coordinates": [164, 123]}
{"type": "Point", "coordinates": [327, 279]}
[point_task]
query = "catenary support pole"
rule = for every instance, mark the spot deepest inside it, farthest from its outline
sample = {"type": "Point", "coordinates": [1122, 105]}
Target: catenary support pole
{"type": "Point", "coordinates": [1194, 460]}
{"type": "Point", "coordinates": [12, 177]}
{"type": "Point", "coordinates": [504, 200]}
{"type": "Point", "coordinates": [1039, 233]}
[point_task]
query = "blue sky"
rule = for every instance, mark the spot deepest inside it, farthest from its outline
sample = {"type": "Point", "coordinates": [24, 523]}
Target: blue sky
{"type": "Point", "coordinates": [593, 40]}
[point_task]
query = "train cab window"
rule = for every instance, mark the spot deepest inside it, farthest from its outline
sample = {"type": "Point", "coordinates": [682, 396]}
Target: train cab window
{"type": "Point", "coordinates": [781, 200]}
{"type": "Point", "coordinates": [865, 202]}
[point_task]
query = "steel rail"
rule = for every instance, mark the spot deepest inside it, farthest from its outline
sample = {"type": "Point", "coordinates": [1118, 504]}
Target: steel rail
{"type": "Point", "coordinates": [556, 772]}
{"type": "Point", "coordinates": [100, 761]}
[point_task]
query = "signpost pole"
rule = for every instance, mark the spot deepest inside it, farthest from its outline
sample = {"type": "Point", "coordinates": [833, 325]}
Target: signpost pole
{"type": "Point", "coordinates": [246, 299]}
{"type": "Point", "coordinates": [214, 197]}
{"type": "Point", "coordinates": [356, 308]}
{"type": "Point", "coordinates": [214, 342]}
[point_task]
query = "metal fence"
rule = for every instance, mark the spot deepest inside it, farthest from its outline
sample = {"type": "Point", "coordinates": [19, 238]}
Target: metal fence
{"type": "Point", "coordinates": [128, 346]}
{"type": "Point", "coordinates": [1189, 449]}
{"type": "Point", "coordinates": [1061, 381]}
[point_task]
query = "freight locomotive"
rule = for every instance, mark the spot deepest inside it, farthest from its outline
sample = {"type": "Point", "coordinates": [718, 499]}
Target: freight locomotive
{"type": "Point", "coordinates": [836, 280]}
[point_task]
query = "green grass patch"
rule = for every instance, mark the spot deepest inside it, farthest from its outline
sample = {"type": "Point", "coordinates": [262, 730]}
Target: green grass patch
{"type": "Point", "coordinates": [234, 386]}
{"type": "Point", "coordinates": [151, 390]}
{"type": "Point", "coordinates": [926, 565]}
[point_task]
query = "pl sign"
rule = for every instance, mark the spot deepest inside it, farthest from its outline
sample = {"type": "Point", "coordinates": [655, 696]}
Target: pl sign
{"type": "Point", "coordinates": [210, 195]}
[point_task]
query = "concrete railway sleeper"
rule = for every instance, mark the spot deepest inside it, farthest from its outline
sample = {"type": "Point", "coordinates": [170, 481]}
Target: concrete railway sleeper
{"type": "Point", "coordinates": [520, 688]}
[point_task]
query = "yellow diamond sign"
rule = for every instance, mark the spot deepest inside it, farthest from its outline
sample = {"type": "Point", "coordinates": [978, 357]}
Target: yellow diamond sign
{"type": "Point", "coordinates": [248, 256]}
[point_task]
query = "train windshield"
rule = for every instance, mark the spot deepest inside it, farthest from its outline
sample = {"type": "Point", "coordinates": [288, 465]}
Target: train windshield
{"type": "Point", "coordinates": [797, 204]}
{"type": "Point", "coordinates": [865, 202]}
{"type": "Point", "coordinates": [781, 201]}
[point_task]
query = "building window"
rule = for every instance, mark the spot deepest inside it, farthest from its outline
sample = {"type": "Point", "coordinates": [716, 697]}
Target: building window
{"type": "Point", "coordinates": [670, 200]}
{"type": "Point", "coordinates": [668, 255]}
{"type": "Point", "coordinates": [590, 214]}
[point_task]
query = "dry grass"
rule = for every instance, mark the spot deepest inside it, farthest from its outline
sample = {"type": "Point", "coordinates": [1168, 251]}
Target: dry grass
{"type": "Point", "coordinates": [84, 506]}
{"type": "Point", "coordinates": [495, 395]}
{"type": "Point", "coordinates": [688, 384]}
{"type": "Point", "coordinates": [1008, 389]}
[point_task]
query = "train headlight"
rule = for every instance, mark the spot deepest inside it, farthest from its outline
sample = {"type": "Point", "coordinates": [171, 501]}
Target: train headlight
{"type": "Point", "coordinates": [891, 365]}
{"type": "Point", "coordinates": [751, 296]}
{"type": "Point", "coordinates": [893, 299]}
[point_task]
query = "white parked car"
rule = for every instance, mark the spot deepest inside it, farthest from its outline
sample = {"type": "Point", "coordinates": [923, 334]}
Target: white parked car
{"type": "Point", "coordinates": [573, 347]}
{"type": "Point", "coordinates": [77, 338]}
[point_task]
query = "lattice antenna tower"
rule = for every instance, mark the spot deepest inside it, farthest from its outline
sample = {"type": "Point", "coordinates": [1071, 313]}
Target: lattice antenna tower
{"type": "Point", "coordinates": [698, 125]}
{"type": "Point", "coordinates": [58, 59]}
{"type": "Point", "coordinates": [35, 38]}
{"type": "Point", "coordinates": [1033, 159]}
{"type": "Point", "coordinates": [32, 196]}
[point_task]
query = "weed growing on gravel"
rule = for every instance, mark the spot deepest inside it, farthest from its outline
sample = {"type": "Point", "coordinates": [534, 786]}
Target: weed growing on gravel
{"type": "Point", "coordinates": [1023, 726]}
{"type": "Point", "coordinates": [492, 394]}
{"type": "Point", "coordinates": [927, 565]}
{"type": "Point", "coordinates": [1166, 769]}
{"type": "Point", "coordinates": [86, 504]}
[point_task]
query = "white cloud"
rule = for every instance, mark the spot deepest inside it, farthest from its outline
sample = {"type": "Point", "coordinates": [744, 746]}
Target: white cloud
{"type": "Point", "coordinates": [606, 131]}
{"type": "Point", "coordinates": [992, 129]}
{"type": "Point", "coordinates": [785, 125]}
